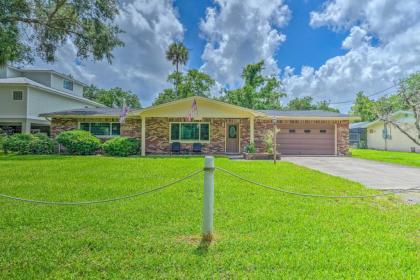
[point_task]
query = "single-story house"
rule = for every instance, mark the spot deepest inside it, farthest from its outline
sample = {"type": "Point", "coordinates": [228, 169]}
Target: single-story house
{"type": "Point", "coordinates": [220, 127]}
{"type": "Point", "coordinates": [388, 137]}
{"type": "Point", "coordinates": [358, 135]}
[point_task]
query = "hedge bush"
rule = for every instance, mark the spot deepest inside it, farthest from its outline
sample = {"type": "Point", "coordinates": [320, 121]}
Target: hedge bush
{"type": "Point", "coordinates": [24, 144]}
{"type": "Point", "coordinates": [121, 147]}
{"type": "Point", "coordinates": [79, 142]}
{"type": "Point", "coordinates": [42, 145]}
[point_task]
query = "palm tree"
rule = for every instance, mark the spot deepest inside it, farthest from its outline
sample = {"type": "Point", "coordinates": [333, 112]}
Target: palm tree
{"type": "Point", "coordinates": [177, 53]}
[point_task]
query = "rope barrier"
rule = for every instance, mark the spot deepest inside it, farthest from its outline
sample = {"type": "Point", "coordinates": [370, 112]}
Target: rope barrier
{"type": "Point", "coordinates": [70, 203]}
{"type": "Point", "coordinates": [159, 188]}
{"type": "Point", "coordinates": [391, 191]}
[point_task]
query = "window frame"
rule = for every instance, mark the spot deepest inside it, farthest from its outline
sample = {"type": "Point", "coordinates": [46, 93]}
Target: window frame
{"type": "Point", "coordinates": [15, 92]}
{"type": "Point", "coordinates": [188, 141]}
{"type": "Point", "coordinates": [70, 83]}
{"type": "Point", "coordinates": [100, 136]}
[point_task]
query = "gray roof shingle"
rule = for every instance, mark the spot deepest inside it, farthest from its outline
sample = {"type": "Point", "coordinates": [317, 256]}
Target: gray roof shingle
{"type": "Point", "coordinates": [308, 113]}
{"type": "Point", "coordinates": [86, 112]}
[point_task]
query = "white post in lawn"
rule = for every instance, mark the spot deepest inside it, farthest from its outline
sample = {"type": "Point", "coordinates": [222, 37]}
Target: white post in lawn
{"type": "Point", "coordinates": [208, 198]}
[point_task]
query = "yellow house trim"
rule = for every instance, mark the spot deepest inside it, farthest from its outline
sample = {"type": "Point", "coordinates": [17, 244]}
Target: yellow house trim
{"type": "Point", "coordinates": [234, 109]}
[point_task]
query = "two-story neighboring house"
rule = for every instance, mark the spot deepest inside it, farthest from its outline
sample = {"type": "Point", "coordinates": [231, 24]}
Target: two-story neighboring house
{"type": "Point", "coordinates": [26, 93]}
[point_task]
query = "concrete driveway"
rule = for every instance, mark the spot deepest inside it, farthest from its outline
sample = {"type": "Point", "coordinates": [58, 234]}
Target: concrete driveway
{"type": "Point", "coordinates": [372, 174]}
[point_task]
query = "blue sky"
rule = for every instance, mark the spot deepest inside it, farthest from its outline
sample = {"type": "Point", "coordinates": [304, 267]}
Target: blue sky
{"type": "Point", "coordinates": [305, 45]}
{"type": "Point", "coordinates": [325, 49]}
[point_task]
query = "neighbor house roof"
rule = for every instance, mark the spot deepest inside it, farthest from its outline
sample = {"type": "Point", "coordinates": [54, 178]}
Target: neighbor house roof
{"type": "Point", "coordinates": [50, 71]}
{"type": "Point", "coordinates": [108, 112]}
{"type": "Point", "coordinates": [400, 116]}
{"type": "Point", "coordinates": [303, 113]}
{"type": "Point", "coordinates": [359, 125]}
{"type": "Point", "coordinates": [31, 83]}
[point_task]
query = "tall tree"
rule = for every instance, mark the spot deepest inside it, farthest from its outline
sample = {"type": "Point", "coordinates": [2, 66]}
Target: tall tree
{"type": "Point", "coordinates": [304, 103]}
{"type": "Point", "coordinates": [113, 97]}
{"type": "Point", "coordinates": [178, 54]}
{"type": "Point", "coordinates": [33, 27]}
{"type": "Point", "coordinates": [193, 83]}
{"type": "Point", "coordinates": [363, 107]}
{"type": "Point", "coordinates": [408, 98]}
{"type": "Point", "coordinates": [258, 91]}
{"type": "Point", "coordinates": [307, 103]}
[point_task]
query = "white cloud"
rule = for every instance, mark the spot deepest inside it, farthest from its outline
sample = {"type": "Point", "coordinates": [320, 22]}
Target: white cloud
{"type": "Point", "coordinates": [366, 66]}
{"type": "Point", "coordinates": [139, 66]}
{"type": "Point", "coordinates": [239, 32]}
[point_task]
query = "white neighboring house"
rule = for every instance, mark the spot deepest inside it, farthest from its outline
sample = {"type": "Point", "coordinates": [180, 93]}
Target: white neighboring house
{"type": "Point", "coordinates": [390, 137]}
{"type": "Point", "coordinates": [26, 93]}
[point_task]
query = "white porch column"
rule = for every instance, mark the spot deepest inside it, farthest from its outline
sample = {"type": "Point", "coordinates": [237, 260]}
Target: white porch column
{"type": "Point", "coordinates": [26, 126]}
{"type": "Point", "coordinates": [143, 136]}
{"type": "Point", "coordinates": [251, 129]}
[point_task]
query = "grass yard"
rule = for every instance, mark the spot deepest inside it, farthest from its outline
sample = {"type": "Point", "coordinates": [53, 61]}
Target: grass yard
{"type": "Point", "coordinates": [260, 234]}
{"type": "Point", "coordinates": [404, 158]}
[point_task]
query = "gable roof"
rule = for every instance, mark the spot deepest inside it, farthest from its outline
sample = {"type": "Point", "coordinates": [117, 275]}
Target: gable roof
{"type": "Point", "coordinates": [197, 98]}
{"type": "Point", "coordinates": [28, 82]}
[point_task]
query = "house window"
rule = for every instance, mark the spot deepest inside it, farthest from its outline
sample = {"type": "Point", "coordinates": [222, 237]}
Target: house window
{"type": "Point", "coordinates": [292, 130]}
{"type": "Point", "coordinates": [101, 129]}
{"type": "Point", "coordinates": [323, 131]}
{"type": "Point", "coordinates": [307, 131]}
{"type": "Point", "coordinates": [190, 131]}
{"type": "Point", "coordinates": [18, 95]}
{"type": "Point", "coordinates": [68, 84]}
{"type": "Point", "coordinates": [371, 131]}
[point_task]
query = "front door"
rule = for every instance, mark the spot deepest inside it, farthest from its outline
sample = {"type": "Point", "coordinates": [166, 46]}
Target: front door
{"type": "Point", "coordinates": [232, 139]}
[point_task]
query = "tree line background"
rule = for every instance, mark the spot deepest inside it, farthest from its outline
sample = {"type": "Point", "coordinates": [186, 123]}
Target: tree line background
{"type": "Point", "coordinates": [32, 28]}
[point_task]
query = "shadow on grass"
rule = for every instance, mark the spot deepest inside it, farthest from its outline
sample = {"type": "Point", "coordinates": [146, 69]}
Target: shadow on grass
{"type": "Point", "coordinates": [203, 248]}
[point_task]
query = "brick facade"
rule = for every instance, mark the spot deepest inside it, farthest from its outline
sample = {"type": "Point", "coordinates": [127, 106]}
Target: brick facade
{"type": "Point", "coordinates": [343, 138]}
{"type": "Point", "coordinates": [158, 139]}
{"type": "Point", "coordinates": [61, 125]}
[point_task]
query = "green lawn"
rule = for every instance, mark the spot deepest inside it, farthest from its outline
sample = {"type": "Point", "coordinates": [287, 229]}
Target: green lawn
{"type": "Point", "coordinates": [404, 158]}
{"type": "Point", "coordinates": [260, 234]}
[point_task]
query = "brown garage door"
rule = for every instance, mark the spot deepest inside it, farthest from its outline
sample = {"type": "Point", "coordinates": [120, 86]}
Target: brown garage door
{"type": "Point", "coordinates": [306, 140]}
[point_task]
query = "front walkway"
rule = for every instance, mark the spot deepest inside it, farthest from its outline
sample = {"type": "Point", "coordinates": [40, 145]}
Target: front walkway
{"type": "Point", "coordinates": [372, 174]}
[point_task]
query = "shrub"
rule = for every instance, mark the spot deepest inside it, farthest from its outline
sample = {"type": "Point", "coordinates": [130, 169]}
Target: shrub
{"type": "Point", "coordinates": [121, 147]}
{"type": "Point", "coordinates": [2, 138]}
{"type": "Point", "coordinates": [79, 142]}
{"type": "Point", "coordinates": [18, 143]}
{"type": "Point", "coordinates": [24, 144]}
{"type": "Point", "coordinates": [268, 140]}
{"type": "Point", "coordinates": [250, 148]}
{"type": "Point", "coordinates": [41, 145]}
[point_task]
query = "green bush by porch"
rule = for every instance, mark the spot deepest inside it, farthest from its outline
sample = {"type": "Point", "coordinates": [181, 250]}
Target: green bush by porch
{"type": "Point", "coordinates": [79, 142]}
{"type": "Point", "coordinates": [24, 144]}
{"type": "Point", "coordinates": [121, 147]}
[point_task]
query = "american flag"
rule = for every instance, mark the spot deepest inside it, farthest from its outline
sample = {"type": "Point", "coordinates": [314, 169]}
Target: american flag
{"type": "Point", "coordinates": [124, 112]}
{"type": "Point", "coordinates": [193, 112]}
